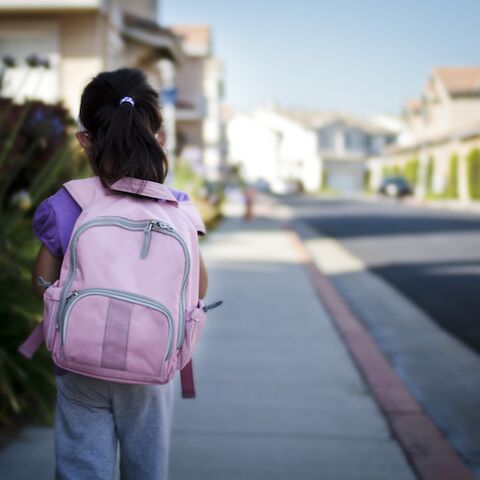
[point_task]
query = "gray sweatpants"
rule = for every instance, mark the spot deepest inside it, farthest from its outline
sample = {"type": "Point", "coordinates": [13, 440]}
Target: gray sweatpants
{"type": "Point", "coordinates": [92, 415]}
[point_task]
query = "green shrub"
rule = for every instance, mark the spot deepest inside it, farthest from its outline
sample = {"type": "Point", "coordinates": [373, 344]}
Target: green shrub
{"type": "Point", "coordinates": [473, 167]}
{"type": "Point", "coordinates": [411, 171]}
{"type": "Point", "coordinates": [430, 172]}
{"type": "Point", "coordinates": [366, 179]}
{"type": "Point", "coordinates": [324, 180]}
{"type": "Point", "coordinates": [396, 170]}
{"type": "Point", "coordinates": [452, 183]}
{"type": "Point", "coordinates": [387, 171]}
{"type": "Point", "coordinates": [37, 155]}
{"type": "Point", "coordinates": [208, 195]}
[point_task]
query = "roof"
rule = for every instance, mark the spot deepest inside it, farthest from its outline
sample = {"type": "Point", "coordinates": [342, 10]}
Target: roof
{"type": "Point", "coordinates": [318, 119]}
{"type": "Point", "coordinates": [149, 32]}
{"type": "Point", "coordinates": [50, 5]}
{"type": "Point", "coordinates": [413, 105]}
{"type": "Point", "coordinates": [457, 135]}
{"type": "Point", "coordinates": [459, 80]}
{"type": "Point", "coordinates": [196, 40]}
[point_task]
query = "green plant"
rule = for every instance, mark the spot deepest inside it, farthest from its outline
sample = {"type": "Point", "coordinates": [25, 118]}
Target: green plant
{"type": "Point", "coordinates": [430, 172]}
{"type": "Point", "coordinates": [36, 155]}
{"type": "Point", "coordinates": [396, 170]}
{"type": "Point", "coordinates": [366, 180]}
{"type": "Point", "coordinates": [186, 178]}
{"type": "Point", "coordinates": [324, 179]}
{"type": "Point", "coordinates": [452, 184]}
{"type": "Point", "coordinates": [473, 168]}
{"type": "Point", "coordinates": [411, 171]}
{"type": "Point", "coordinates": [208, 195]}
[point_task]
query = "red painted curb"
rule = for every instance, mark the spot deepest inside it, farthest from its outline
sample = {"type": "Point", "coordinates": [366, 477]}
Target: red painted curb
{"type": "Point", "coordinates": [425, 447]}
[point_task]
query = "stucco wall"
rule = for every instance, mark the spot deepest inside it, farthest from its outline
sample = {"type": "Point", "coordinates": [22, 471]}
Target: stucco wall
{"type": "Point", "coordinates": [82, 55]}
{"type": "Point", "coordinates": [75, 47]}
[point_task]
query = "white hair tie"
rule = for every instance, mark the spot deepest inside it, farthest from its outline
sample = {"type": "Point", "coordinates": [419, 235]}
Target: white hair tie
{"type": "Point", "coordinates": [127, 99]}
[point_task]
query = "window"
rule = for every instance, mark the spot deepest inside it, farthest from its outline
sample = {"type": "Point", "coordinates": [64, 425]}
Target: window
{"type": "Point", "coordinates": [23, 81]}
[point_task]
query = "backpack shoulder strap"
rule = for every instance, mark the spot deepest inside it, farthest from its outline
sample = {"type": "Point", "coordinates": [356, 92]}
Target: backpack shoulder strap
{"type": "Point", "coordinates": [191, 212]}
{"type": "Point", "coordinates": [85, 190]}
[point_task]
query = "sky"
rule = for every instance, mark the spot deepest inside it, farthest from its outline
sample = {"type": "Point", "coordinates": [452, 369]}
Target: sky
{"type": "Point", "coordinates": [361, 57]}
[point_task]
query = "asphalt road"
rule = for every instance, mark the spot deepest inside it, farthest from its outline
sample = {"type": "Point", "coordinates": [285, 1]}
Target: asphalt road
{"type": "Point", "coordinates": [432, 256]}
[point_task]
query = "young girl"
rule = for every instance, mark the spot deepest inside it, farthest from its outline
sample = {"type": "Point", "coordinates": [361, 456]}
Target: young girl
{"type": "Point", "coordinates": [122, 126]}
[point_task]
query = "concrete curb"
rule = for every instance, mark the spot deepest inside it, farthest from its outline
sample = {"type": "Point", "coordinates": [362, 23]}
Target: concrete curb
{"type": "Point", "coordinates": [424, 445]}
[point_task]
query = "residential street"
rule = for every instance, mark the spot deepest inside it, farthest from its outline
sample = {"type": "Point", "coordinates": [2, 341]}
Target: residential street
{"type": "Point", "coordinates": [432, 256]}
{"type": "Point", "coordinates": [412, 276]}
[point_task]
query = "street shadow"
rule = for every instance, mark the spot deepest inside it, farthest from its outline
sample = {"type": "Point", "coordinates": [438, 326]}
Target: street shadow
{"type": "Point", "coordinates": [304, 201]}
{"type": "Point", "coordinates": [448, 291]}
{"type": "Point", "coordinates": [376, 225]}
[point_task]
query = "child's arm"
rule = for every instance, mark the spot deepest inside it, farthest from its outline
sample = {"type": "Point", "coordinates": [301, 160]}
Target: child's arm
{"type": "Point", "coordinates": [203, 279]}
{"type": "Point", "coordinates": [46, 266]}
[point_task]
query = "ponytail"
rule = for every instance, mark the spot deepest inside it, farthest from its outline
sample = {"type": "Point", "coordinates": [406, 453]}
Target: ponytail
{"type": "Point", "coordinates": [121, 112]}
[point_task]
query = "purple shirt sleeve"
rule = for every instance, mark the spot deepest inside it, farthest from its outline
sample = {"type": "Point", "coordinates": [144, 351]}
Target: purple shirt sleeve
{"type": "Point", "coordinates": [53, 221]}
{"type": "Point", "coordinates": [179, 195]}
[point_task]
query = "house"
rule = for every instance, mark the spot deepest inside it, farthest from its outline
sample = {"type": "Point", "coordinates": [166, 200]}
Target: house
{"type": "Point", "coordinates": [308, 148]}
{"type": "Point", "coordinates": [69, 42]}
{"type": "Point", "coordinates": [442, 129]}
{"type": "Point", "coordinates": [344, 143]}
{"type": "Point", "coordinates": [450, 101]}
{"type": "Point", "coordinates": [198, 97]}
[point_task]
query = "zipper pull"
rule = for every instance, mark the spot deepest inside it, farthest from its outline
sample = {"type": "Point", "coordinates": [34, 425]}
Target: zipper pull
{"type": "Point", "coordinates": [206, 308]}
{"type": "Point", "coordinates": [164, 226]}
{"type": "Point", "coordinates": [73, 294]}
{"type": "Point", "coordinates": [146, 239]}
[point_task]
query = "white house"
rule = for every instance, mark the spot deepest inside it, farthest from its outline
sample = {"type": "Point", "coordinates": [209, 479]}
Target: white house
{"type": "Point", "coordinates": [314, 149]}
{"type": "Point", "coordinates": [255, 147]}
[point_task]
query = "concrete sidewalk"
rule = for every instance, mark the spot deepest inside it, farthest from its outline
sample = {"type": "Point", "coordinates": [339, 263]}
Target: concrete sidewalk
{"type": "Point", "coordinates": [277, 393]}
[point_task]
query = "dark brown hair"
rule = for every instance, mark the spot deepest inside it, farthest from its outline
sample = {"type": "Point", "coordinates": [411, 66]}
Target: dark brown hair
{"type": "Point", "coordinates": [123, 135]}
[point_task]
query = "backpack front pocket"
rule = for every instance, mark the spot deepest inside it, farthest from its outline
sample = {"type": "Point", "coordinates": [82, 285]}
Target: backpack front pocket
{"type": "Point", "coordinates": [144, 227]}
{"type": "Point", "coordinates": [117, 330]}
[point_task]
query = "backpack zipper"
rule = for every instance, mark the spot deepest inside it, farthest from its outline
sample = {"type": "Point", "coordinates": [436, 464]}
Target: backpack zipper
{"type": "Point", "coordinates": [146, 239]}
{"type": "Point", "coordinates": [137, 225]}
{"type": "Point", "coordinates": [129, 297]}
{"type": "Point", "coordinates": [169, 230]}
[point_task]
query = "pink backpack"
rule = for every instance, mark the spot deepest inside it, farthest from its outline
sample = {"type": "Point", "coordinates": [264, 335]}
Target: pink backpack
{"type": "Point", "coordinates": [125, 307]}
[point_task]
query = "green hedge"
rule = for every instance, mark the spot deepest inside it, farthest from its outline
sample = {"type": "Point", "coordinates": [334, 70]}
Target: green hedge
{"type": "Point", "coordinates": [411, 171]}
{"type": "Point", "coordinates": [473, 167]}
{"type": "Point", "coordinates": [366, 179]}
{"type": "Point", "coordinates": [452, 183]}
{"type": "Point", "coordinates": [430, 172]}
{"type": "Point", "coordinates": [324, 179]}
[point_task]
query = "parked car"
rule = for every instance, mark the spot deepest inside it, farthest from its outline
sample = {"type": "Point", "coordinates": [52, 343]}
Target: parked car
{"type": "Point", "coordinates": [395, 187]}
